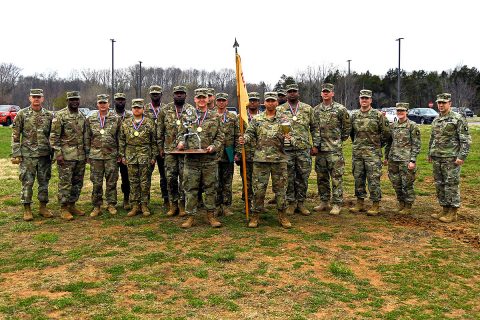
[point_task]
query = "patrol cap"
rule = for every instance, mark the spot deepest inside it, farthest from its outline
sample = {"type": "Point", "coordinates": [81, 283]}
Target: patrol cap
{"type": "Point", "coordinates": [201, 92]}
{"type": "Point", "coordinates": [36, 92]}
{"type": "Point", "coordinates": [270, 95]}
{"type": "Point", "coordinates": [365, 93]}
{"type": "Point", "coordinates": [155, 89]}
{"type": "Point", "coordinates": [444, 97]}
{"type": "Point", "coordinates": [102, 97]}
{"type": "Point", "coordinates": [281, 92]}
{"type": "Point", "coordinates": [73, 95]}
{"type": "Point", "coordinates": [292, 87]}
{"type": "Point", "coordinates": [221, 96]}
{"type": "Point", "coordinates": [402, 106]}
{"type": "Point", "coordinates": [180, 89]}
{"type": "Point", "coordinates": [137, 103]}
{"type": "Point", "coordinates": [119, 95]}
{"type": "Point", "coordinates": [211, 91]}
{"type": "Point", "coordinates": [253, 96]}
{"type": "Point", "coordinates": [328, 87]}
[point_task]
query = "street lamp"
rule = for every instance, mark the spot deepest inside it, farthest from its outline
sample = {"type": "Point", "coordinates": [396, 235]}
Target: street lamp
{"type": "Point", "coordinates": [113, 70]}
{"type": "Point", "coordinates": [346, 82]}
{"type": "Point", "coordinates": [140, 81]}
{"type": "Point", "coordinates": [398, 70]}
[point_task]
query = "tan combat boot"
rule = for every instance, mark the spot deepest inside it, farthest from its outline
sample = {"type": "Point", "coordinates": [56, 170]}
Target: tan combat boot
{"type": "Point", "coordinates": [173, 209]}
{"type": "Point", "coordinates": [253, 223]}
{"type": "Point", "coordinates": [407, 209]}
{"type": "Point", "coordinates": [437, 215]}
{"type": "Point", "coordinates": [181, 209]}
{"type": "Point", "coordinates": [451, 216]}
{"type": "Point", "coordinates": [303, 211]}
{"type": "Point", "coordinates": [44, 212]}
{"type": "Point", "coordinates": [96, 211]}
{"type": "Point", "coordinates": [126, 204]}
{"type": "Point", "coordinates": [323, 206]}
{"type": "Point", "coordinates": [111, 209]}
{"type": "Point", "coordinates": [335, 210]}
{"type": "Point", "coordinates": [135, 210]}
{"type": "Point", "coordinates": [27, 212]}
{"type": "Point", "coordinates": [375, 209]}
{"type": "Point", "coordinates": [146, 212]}
{"type": "Point", "coordinates": [359, 206]}
{"type": "Point", "coordinates": [213, 220]}
{"type": "Point", "coordinates": [227, 212]}
{"type": "Point", "coordinates": [400, 206]}
{"type": "Point", "coordinates": [188, 223]}
{"type": "Point", "coordinates": [65, 213]}
{"type": "Point", "coordinates": [282, 218]}
{"type": "Point", "coordinates": [73, 210]}
{"type": "Point", "coordinates": [290, 209]}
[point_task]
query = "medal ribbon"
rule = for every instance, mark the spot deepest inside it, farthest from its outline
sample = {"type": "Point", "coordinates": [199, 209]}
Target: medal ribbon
{"type": "Point", "coordinates": [153, 109]}
{"type": "Point", "coordinates": [136, 127]}
{"type": "Point", "coordinates": [178, 114]}
{"type": "Point", "coordinates": [102, 122]}
{"type": "Point", "coordinates": [199, 123]}
{"type": "Point", "coordinates": [291, 109]}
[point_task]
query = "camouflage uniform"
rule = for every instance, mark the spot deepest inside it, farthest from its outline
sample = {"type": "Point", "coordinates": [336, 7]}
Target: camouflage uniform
{"type": "Point", "coordinates": [30, 134]}
{"type": "Point", "coordinates": [331, 127]}
{"type": "Point", "coordinates": [125, 186]}
{"type": "Point", "coordinates": [402, 148]}
{"type": "Point", "coordinates": [103, 155]}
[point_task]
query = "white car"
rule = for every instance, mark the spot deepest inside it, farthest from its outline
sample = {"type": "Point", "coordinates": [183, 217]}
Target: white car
{"type": "Point", "coordinates": [391, 116]}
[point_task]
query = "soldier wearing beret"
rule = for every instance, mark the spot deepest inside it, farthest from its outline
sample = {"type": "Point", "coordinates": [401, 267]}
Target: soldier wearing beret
{"type": "Point", "coordinates": [448, 148]}
{"type": "Point", "coordinates": [31, 150]}
{"type": "Point", "coordinates": [401, 154]}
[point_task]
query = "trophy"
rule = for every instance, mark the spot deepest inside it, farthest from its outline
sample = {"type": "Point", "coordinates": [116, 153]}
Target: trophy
{"type": "Point", "coordinates": [188, 125]}
{"type": "Point", "coordinates": [286, 129]}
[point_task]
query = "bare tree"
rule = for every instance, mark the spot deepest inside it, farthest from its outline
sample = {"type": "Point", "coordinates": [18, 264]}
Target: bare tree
{"type": "Point", "coordinates": [9, 74]}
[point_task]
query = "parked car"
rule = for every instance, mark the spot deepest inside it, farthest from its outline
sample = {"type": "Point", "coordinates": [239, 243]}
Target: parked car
{"type": "Point", "coordinates": [8, 113]}
{"type": "Point", "coordinates": [232, 110]}
{"type": "Point", "coordinates": [391, 115]}
{"type": "Point", "coordinates": [466, 112]}
{"type": "Point", "coordinates": [422, 115]}
{"type": "Point", "coordinates": [86, 111]}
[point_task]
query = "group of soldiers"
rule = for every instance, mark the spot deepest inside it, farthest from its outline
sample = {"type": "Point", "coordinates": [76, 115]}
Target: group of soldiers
{"type": "Point", "coordinates": [195, 148]}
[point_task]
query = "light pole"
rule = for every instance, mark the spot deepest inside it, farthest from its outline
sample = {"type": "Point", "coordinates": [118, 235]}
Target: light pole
{"type": "Point", "coordinates": [113, 70]}
{"type": "Point", "coordinates": [398, 70]}
{"type": "Point", "coordinates": [140, 80]}
{"type": "Point", "coordinates": [349, 66]}
{"type": "Point", "coordinates": [346, 82]}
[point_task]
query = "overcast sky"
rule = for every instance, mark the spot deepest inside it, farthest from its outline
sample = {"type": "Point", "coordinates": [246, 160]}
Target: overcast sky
{"type": "Point", "coordinates": [276, 37]}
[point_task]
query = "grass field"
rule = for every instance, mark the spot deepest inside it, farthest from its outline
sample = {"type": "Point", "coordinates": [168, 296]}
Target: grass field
{"type": "Point", "coordinates": [345, 267]}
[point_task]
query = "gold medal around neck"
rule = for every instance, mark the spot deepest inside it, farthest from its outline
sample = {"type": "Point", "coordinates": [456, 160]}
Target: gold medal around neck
{"type": "Point", "coordinates": [199, 129]}
{"type": "Point", "coordinates": [294, 118]}
{"type": "Point", "coordinates": [102, 131]}
{"type": "Point", "coordinates": [136, 134]}
{"type": "Point", "coordinates": [178, 122]}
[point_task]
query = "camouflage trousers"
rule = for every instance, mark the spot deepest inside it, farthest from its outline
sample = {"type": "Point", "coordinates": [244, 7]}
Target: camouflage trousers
{"type": "Point", "coordinates": [402, 180]}
{"type": "Point", "coordinates": [367, 169]}
{"type": "Point", "coordinates": [261, 174]}
{"type": "Point", "coordinates": [70, 181]}
{"type": "Point", "coordinates": [447, 181]}
{"type": "Point", "coordinates": [249, 174]}
{"type": "Point", "coordinates": [163, 178]}
{"type": "Point", "coordinates": [108, 170]}
{"type": "Point", "coordinates": [174, 173]}
{"type": "Point", "coordinates": [125, 186]}
{"type": "Point", "coordinates": [30, 168]}
{"type": "Point", "coordinates": [224, 186]}
{"type": "Point", "coordinates": [196, 173]}
{"type": "Point", "coordinates": [299, 168]}
{"type": "Point", "coordinates": [330, 166]}
{"type": "Point", "coordinates": [139, 177]}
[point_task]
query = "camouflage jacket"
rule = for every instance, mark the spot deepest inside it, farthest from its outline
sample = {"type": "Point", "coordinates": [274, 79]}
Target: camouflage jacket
{"type": "Point", "coordinates": [127, 114]}
{"type": "Point", "coordinates": [30, 133]}
{"type": "Point", "coordinates": [370, 132]}
{"type": "Point", "coordinates": [404, 143]}
{"type": "Point", "coordinates": [139, 149]}
{"type": "Point", "coordinates": [211, 133]}
{"type": "Point", "coordinates": [450, 137]}
{"type": "Point", "coordinates": [168, 127]}
{"type": "Point", "coordinates": [250, 146]}
{"type": "Point", "coordinates": [103, 146]}
{"type": "Point", "coordinates": [229, 126]}
{"type": "Point", "coordinates": [331, 126]}
{"type": "Point", "coordinates": [302, 127]}
{"type": "Point", "coordinates": [268, 137]}
{"type": "Point", "coordinates": [150, 112]}
{"type": "Point", "coordinates": [69, 135]}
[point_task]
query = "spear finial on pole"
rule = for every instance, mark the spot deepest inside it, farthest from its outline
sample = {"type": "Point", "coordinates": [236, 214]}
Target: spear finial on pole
{"type": "Point", "coordinates": [236, 45]}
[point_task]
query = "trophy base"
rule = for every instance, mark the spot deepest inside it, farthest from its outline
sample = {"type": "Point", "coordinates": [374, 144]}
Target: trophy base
{"type": "Point", "coordinates": [188, 151]}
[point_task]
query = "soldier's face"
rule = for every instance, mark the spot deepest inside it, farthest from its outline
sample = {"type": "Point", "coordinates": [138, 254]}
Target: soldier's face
{"type": "Point", "coordinates": [401, 115]}
{"type": "Point", "coordinates": [120, 104]}
{"type": "Point", "coordinates": [282, 99]}
{"type": "Point", "coordinates": [444, 107]}
{"type": "Point", "coordinates": [179, 98]}
{"type": "Point", "coordinates": [222, 104]}
{"type": "Point", "coordinates": [103, 106]}
{"type": "Point", "coordinates": [155, 96]}
{"type": "Point", "coordinates": [365, 101]}
{"type": "Point", "coordinates": [293, 95]}
{"type": "Point", "coordinates": [36, 100]}
{"type": "Point", "coordinates": [271, 104]}
{"type": "Point", "coordinates": [201, 102]}
{"type": "Point", "coordinates": [253, 104]}
{"type": "Point", "coordinates": [73, 103]}
{"type": "Point", "coordinates": [211, 98]}
{"type": "Point", "coordinates": [327, 95]}
{"type": "Point", "coordinates": [137, 111]}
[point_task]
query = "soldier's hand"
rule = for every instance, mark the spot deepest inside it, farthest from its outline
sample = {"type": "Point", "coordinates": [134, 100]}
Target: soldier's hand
{"type": "Point", "coordinates": [152, 162]}
{"type": "Point", "coordinates": [385, 162]}
{"type": "Point", "coordinates": [89, 160]}
{"type": "Point", "coordinates": [124, 161]}
{"type": "Point", "coordinates": [429, 159]}
{"type": "Point", "coordinates": [241, 140]}
{"type": "Point", "coordinates": [180, 146]}
{"type": "Point", "coordinates": [237, 159]}
{"type": "Point", "coordinates": [287, 136]}
{"type": "Point", "coordinates": [411, 165]}
{"type": "Point", "coordinates": [459, 162]}
{"type": "Point", "coordinates": [210, 149]}
{"type": "Point", "coordinates": [16, 160]}
{"type": "Point", "coordinates": [314, 151]}
{"type": "Point", "coordinates": [162, 153]}
{"type": "Point", "coordinates": [119, 159]}
{"type": "Point", "coordinates": [60, 160]}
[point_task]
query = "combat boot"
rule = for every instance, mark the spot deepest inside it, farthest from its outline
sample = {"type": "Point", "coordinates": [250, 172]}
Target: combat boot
{"type": "Point", "coordinates": [253, 223]}
{"type": "Point", "coordinates": [359, 206]}
{"type": "Point", "coordinates": [290, 209]}
{"type": "Point", "coordinates": [135, 210]}
{"type": "Point", "coordinates": [65, 213]}
{"type": "Point", "coordinates": [111, 209]}
{"type": "Point", "coordinates": [27, 212]}
{"type": "Point", "coordinates": [173, 209]}
{"type": "Point", "coordinates": [303, 211]}
{"type": "Point", "coordinates": [44, 212]}
{"type": "Point", "coordinates": [181, 209]}
{"type": "Point", "coordinates": [400, 206]}
{"type": "Point", "coordinates": [188, 223]}
{"type": "Point", "coordinates": [213, 220]}
{"type": "Point", "coordinates": [451, 216]}
{"type": "Point", "coordinates": [166, 204]}
{"type": "Point", "coordinates": [282, 218]}
{"type": "Point", "coordinates": [73, 210]}
{"type": "Point", "coordinates": [407, 209]}
{"type": "Point", "coordinates": [126, 204]}
{"type": "Point", "coordinates": [335, 210]}
{"type": "Point", "coordinates": [323, 206]}
{"type": "Point", "coordinates": [146, 212]}
{"type": "Point", "coordinates": [438, 215]}
{"type": "Point", "coordinates": [96, 211]}
{"type": "Point", "coordinates": [227, 212]}
{"type": "Point", "coordinates": [375, 209]}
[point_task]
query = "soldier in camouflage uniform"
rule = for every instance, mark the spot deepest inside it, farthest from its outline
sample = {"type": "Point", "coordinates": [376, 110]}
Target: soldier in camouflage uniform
{"type": "Point", "coordinates": [152, 110]}
{"type": "Point", "coordinates": [120, 100]}
{"type": "Point", "coordinates": [370, 132]}
{"type": "Point", "coordinates": [68, 139]}
{"type": "Point", "coordinates": [270, 158]}
{"type": "Point", "coordinates": [138, 150]}
{"type": "Point", "coordinates": [448, 148]}
{"type": "Point", "coordinates": [31, 149]}
{"type": "Point", "coordinates": [103, 128]}
{"type": "Point", "coordinates": [225, 156]}
{"type": "Point", "coordinates": [332, 127]}
{"type": "Point", "coordinates": [282, 96]}
{"type": "Point", "coordinates": [168, 124]}
{"type": "Point", "coordinates": [300, 116]}
{"type": "Point", "coordinates": [211, 99]}
{"type": "Point", "coordinates": [401, 154]}
{"type": "Point", "coordinates": [201, 168]}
